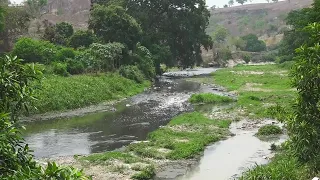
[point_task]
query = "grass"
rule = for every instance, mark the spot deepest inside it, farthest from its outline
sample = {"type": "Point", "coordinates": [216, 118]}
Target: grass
{"type": "Point", "coordinates": [102, 158]}
{"type": "Point", "coordinates": [259, 88]}
{"type": "Point", "coordinates": [145, 174]}
{"type": "Point", "coordinates": [269, 130]}
{"type": "Point", "coordinates": [184, 137]}
{"type": "Point", "coordinates": [283, 166]}
{"type": "Point", "coordinates": [209, 98]}
{"type": "Point", "coordinates": [63, 93]}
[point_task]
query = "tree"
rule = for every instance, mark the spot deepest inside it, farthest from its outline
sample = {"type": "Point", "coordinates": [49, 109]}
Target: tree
{"type": "Point", "coordinates": [220, 34]}
{"type": "Point", "coordinates": [59, 33]}
{"type": "Point", "coordinates": [304, 128]}
{"type": "Point", "coordinates": [253, 44]}
{"type": "Point", "coordinates": [34, 7]}
{"type": "Point", "coordinates": [65, 30]}
{"type": "Point", "coordinates": [178, 24]}
{"type": "Point", "coordinates": [225, 6]}
{"type": "Point", "coordinates": [81, 38]}
{"type": "Point", "coordinates": [16, 21]}
{"type": "Point", "coordinates": [231, 3]}
{"type": "Point", "coordinates": [241, 1]}
{"type": "Point", "coordinates": [113, 24]}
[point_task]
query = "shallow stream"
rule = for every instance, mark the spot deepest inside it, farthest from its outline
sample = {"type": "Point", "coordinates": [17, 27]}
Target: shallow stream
{"type": "Point", "coordinates": [132, 119]}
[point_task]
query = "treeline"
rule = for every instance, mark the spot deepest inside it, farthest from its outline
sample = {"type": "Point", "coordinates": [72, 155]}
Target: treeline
{"type": "Point", "coordinates": [123, 35]}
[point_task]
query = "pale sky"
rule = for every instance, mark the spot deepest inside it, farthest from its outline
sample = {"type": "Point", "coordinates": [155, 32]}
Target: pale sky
{"type": "Point", "coordinates": [210, 3]}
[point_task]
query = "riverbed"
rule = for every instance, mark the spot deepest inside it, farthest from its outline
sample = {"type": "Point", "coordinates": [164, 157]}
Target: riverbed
{"type": "Point", "coordinates": [119, 124]}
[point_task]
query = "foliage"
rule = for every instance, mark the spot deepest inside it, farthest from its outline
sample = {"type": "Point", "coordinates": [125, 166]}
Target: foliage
{"type": "Point", "coordinates": [132, 72]}
{"type": "Point", "coordinates": [16, 24]}
{"type": "Point", "coordinates": [16, 93]}
{"type": "Point", "coordinates": [34, 7]}
{"type": "Point", "coordinates": [224, 53]}
{"type": "Point", "coordinates": [161, 54]}
{"type": "Point", "coordinates": [283, 166]}
{"type": "Point", "coordinates": [177, 24]}
{"type": "Point", "coordinates": [209, 98]}
{"type": "Point", "coordinates": [253, 44]}
{"type": "Point", "coordinates": [64, 53]}
{"type": "Point", "coordinates": [303, 127]}
{"type": "Point", "coordinates": [81, 39]}
{"type": "Point", "coordinates": [62, 93]}
{"type": "Point", "coordinates": [239, 43]}
{"type": "Point", "coordinates": [60, 68]}
{"type": "Point", "coordinates": [113, 24]}
{"type": "Point", "coordinates": [15, 89]}
{"type": "Point", "coordinates": [2, 19]}
{"type": "Point", "coordinates": [246, 57]}
{"type": "Point", "coordinates": [34, 51]}
{"type": "Point", "coordinates": [269, 130]}
{"type": "Point", "coordinates": [241, 1]}
{"type": "Point", "coordinates": [220, 34]}
{"type": "Point", "coordinates": [75, 67]}
{"type": "Point", "coordinates": [269, 57]}
{"type": "Point", "coordinates": [59, 33]}
{"type": "Point", "coordinates": [143, 59]}
{"type": "Point", "coordinates": [106, 57]}
{"type": "Point", "coordinates": [231, 3]}
{"type": "Point", "coordinates": [65, 30]}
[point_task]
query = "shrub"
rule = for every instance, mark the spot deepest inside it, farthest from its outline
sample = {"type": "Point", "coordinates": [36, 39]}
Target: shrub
{"type": "Point", "coordinates": [143, 59]}
{"type": "Point", "coordinates": [106, 56]}
{"type": "Point", "coordinates": [246, 57]}
{"type": "Point", "coordinates": [64, 29]}
{"type": "Point", "coordinates": [145, 174]}
{"type": "Point", "coordinates": [65, 53]}
{"type": "Point", "coordinates": [269, 130]}
{"type": "Point", "coordinates": [81, 39]}
{"type": "Point", "coordinates": [269, 57]}
{"type": "Point", "coordinates": [253, 44]}
{"type": "Point", "coordinates": [34, 51]}
{"type": "Point", "coordinates": [60, 68]}
{"type": "Point", "coordinates": [131, 72]}
{"type": "Point", "coordinates": [224, 53]}
{"type": "Point", "coordinates": [75, 67]}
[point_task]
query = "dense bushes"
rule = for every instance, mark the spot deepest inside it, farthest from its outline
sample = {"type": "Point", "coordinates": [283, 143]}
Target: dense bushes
{"type": "Point", "coordinates": [81, 39]}
{"type": "Point", "coordinates": [65, 53]}
{"type": "Point", "coordinates": [253, 44]}
{"type": "Point", "coordinates": [132, 72]}
{"type": "Point", "coordinates": [35, 51]}
{"type": "Point", "coordinates": [16, 91]}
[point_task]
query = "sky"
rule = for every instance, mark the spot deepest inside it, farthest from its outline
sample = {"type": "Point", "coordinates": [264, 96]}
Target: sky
{"type": "Point", "coordinates": [210, 3]}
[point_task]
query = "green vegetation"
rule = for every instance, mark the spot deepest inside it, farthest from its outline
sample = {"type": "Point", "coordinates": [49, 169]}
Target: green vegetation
{"type": "Point", "coordinates": [189, 134]}
{"type": "Point", "coordinates": [16, 93]}
{"type": "Point", "coordinates": [145, 174]}
{"type": "Point", "coordinates": [253, 44]}
{"type": "Point", "coordinates": [259, 87]}
{"type": "Point", "coordinates": [269, 130]}
{"type": "Point", "coordinates": [283, 166]}
{"type": "Point", "coordinates": [109, 156]}
{"type": "Point", "coordinates": [209, 98]}
{"type": "Point", "coordinates": [62, 93]}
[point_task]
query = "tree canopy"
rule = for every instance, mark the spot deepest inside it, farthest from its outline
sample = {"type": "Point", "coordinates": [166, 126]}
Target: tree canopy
{"type": "Point", "coordinates": [113, 24]}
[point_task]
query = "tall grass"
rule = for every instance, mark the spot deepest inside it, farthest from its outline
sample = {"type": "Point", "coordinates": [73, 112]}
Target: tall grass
{"type": "Point", "coordinates": [62, 93]}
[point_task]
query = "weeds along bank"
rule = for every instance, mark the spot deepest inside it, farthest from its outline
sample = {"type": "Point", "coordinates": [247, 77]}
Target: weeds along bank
{"type": "Point", "coordinates": [63, 93]}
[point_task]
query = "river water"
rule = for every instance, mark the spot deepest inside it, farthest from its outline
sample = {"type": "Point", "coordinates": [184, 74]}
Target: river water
{"type": "Point", "coordinates": [135, 117]}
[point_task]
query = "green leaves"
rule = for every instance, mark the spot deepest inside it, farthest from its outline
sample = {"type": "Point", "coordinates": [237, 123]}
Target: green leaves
{"type": "Point", "coordinates": [113, 24]}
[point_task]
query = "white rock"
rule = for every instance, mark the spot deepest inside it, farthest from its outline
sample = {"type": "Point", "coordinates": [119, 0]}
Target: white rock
{"type": "Point", "coordinates": [128, 105]}
{"type": "Point", "coordinates": [315, 178]}
{"type": "Point", "coordinates": [169, 87]}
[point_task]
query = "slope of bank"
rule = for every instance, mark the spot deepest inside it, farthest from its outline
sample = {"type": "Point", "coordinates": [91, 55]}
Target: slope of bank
{"type": "Point", "coordinates": [58, 93]}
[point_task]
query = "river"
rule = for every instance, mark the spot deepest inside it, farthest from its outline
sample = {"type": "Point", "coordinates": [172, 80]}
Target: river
{"type": "Point", "coordinates": [132, 119]}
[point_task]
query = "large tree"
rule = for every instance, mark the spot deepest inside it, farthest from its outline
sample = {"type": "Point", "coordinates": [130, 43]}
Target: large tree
{"type": "Point", "coordinates": [178, 24]}
{"type": "Point", "coordinates": [113, 24]}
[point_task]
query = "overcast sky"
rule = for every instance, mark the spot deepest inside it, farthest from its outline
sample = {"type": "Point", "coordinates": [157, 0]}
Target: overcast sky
{"type": "Point", "coordinates": [218, 3]}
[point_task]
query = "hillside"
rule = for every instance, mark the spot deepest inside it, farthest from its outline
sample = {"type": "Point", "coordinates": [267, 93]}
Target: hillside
{"type": "Point", "coordinates": [261, 19]}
